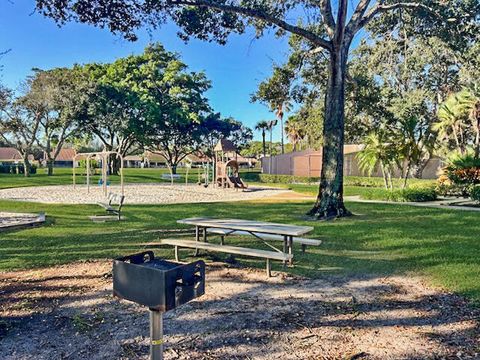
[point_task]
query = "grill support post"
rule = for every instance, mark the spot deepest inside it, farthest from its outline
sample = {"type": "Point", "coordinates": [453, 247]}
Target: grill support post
{"type": "Point", "coordinates": [156, 335]}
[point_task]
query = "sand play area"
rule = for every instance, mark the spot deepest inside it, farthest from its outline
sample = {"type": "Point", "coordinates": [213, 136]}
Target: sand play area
{"type": "Point", "coordinates": [137, 194]}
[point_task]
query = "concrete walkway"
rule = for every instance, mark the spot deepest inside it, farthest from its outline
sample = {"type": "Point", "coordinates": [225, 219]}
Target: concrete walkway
{"type": "Point", "coordinates": [444, 203]}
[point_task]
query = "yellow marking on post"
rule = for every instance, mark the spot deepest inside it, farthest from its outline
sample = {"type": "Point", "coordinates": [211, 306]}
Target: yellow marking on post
{"type": "Point", "coordinates": [157, 342]}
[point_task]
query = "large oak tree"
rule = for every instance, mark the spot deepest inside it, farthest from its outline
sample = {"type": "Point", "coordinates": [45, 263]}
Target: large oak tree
{"type": "Point", "coordinates": [326, 26]}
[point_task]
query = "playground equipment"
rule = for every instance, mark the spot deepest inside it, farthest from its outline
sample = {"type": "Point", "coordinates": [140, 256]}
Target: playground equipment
{"type": "Point", "coordinates": [103, 157]}
{"type": "Point", "coordinates": [205, 172]}
{"type": "Point", "coordinates": [227, 169]}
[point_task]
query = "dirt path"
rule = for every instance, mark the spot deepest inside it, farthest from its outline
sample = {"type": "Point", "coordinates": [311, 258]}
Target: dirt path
{"type": "Point", "coordinates": [68, 312]}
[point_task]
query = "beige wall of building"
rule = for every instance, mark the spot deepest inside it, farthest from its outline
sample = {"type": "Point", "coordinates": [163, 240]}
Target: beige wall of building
{"type": "Point", "coordinates": [309, 163]}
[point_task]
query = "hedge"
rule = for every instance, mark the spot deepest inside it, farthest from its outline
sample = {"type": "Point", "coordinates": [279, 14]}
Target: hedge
{"type": "Point", "coordinates": [16, 169]}
{"type": "Point", "coordinates": [420, 194]}
{"type": "Point", "coordinates": [361, 181]}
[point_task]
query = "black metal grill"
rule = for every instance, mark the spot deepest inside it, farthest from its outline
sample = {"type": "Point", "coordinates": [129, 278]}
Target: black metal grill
{"type": "Point", "coordinates": [159, 284]}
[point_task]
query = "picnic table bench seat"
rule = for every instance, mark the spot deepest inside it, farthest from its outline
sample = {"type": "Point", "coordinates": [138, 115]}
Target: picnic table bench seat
{"type": "Point", "coordinates": [299, 240]}
{"type": "Point", "coordinates": [264, 254]}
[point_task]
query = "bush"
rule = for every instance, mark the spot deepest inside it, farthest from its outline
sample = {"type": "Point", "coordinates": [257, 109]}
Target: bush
{"type": "Point", "coordinates": [414, 194]}
{"type": "Point", "coordinates": [370, 182]}
{"type": "Point", "coordinates": [460, 175]}
{"type": "Point", "coordinates": [475, 193]}
{"type": "Point", "coordinates": [16, 169]}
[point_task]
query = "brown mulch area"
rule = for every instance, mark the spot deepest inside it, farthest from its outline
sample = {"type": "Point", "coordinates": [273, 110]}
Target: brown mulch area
{"type": "Point", "coordinates": [68, 312]}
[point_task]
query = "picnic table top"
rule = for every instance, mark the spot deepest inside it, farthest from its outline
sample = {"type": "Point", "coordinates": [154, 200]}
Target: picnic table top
{"type": "Point", "coordinates": [248, 225]}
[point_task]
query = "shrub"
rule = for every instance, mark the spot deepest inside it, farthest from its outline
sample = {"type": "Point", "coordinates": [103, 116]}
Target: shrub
{"type": "Point", "coordinates": [460, 175]}
{"type": "Point", "coordinates": [414, 194]}
{"type": "Point", "coordinates": [475, 193]}
{"type": "Point", "coordinates": [16, 169]}
{"type": "Point", "coordinates": [360, 181]}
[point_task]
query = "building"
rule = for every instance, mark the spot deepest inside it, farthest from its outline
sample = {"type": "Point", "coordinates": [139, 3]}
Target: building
{"type": "Point", "coordinates": [10, 155]}
{"type": "Point", "coordinates": [308, 163]}
{"type": "Point", "coordinates": [63, 159]}
{"type": "Point", "coordinates": [134, 161]}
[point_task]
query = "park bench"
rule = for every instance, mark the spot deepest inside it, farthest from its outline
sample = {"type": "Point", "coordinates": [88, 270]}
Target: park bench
{"type": "Point", "coordinates": [113, 204]}
{"type": "Point", "coordinates": [297, 240]}
{"type": "Point", "coordinates": [264, 254]}
{"type": "Point", "coordinates": [171, 176]}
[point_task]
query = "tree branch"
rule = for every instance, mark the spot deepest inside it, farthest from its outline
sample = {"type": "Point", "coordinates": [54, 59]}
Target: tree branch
{"type": "Point", "coordinates": [341, 20]}
{"type": "Point", "coordinates": [326, 11]}
{"type": "Point", "coordinates": [357, 16]}
{"type": "Point", "coordinates": [382, 8]}
{"type": "Point", "coordinates": [260, 15]}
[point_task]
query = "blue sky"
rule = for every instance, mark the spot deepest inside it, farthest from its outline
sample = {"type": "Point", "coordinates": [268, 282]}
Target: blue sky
{"type": "Point", "coordinates": [235, 69]}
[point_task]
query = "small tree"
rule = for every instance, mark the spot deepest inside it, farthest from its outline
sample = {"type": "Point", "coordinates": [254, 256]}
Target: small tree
{"type": "Point", "coordinates": [19, 124]}
{"type": "Point", "coordinates": [263, 127]}
{"type": "Point", "coordinates": [55, 90]}
{"type": "Point", "coordinates": [295, 131]}
{"type": "Point", "coordinates": [379, 151]}
{"type": "Point", "coordinates": [214, 128]}
{"type": "Point", "coordinates": [275, 92]}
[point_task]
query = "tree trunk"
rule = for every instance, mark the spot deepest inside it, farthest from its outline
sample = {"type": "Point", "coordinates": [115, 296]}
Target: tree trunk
{"type": "Point", "coordinates": [329, 202]}
{"type": "Point", "coordinates": [114, 163]}
{"type": "Point", "coordinates": [50, 167]}
{"type": "Point", "coordinates": [476, 116]}
{"type": "Point", "coordinates": [406, 175]}
{"type": "Point", "coordinates": [26, 166]}
{"type": "Point", "coordinates": [173, 168]}
{"type": "Point", "coordinates": [281, 132]}
{"type": "Point", "coordinates": [385, 179]}
{"type": "Point", "coordinates": [264, 144]}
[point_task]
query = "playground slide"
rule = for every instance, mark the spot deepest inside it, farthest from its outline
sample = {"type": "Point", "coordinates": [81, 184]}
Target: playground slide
{"type": "Point", "coordinates": [237, 182]}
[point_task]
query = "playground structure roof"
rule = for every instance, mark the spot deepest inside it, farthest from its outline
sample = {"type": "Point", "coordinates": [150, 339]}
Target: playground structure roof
{"type": "Point", "coordinates": [225, 145]}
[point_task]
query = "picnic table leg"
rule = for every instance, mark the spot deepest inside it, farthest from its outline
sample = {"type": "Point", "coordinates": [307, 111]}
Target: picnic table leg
{"type": "Point", "coordinates": [205, 235]}
{"type": "Point", "coordinates": [285, 248]}
{"type": "Point", "coordinates": [290, 250]}
{"type": "Point", "coordinates": [197, 238]}
{"type": "Point", "coordinates": [269, 268]}
{"type": "Point", "coordinates": [176, 254]}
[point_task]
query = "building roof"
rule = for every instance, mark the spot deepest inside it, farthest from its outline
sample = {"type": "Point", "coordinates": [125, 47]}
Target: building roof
{"type": "Point", "coordinates": [243, 159]}
{"type": "Point", "coordinates": [133, 158]}
{"type": "Point", "coordinates": [65, 154]}
{"type": "Point", "coordinates": [225, 145]}
{"type": "Point", "coordinates": [9, 153]}
{"type": "Point", "coordinates": [155, 157]}
{"type": "Point", "coordinates": [197, 158]}
{"type": "Point", "coordinates": [12, 154]}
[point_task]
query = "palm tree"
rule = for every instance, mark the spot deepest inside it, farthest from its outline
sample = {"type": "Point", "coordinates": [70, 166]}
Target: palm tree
{"type": "Point", "coordinates": [263, 127]}
{"type": "Point", "coordinates": [280, 108]}
{"type": "Point", "coordinates": [469, 102]}
{"type": "Point", "coordinates": [294, 131]}
{"type": "Point", "coordinates": [378, 150]}
{"type": "Point", "coordinates": [452, 114]}
{"type": "Point", "coordinates": [271, 124]}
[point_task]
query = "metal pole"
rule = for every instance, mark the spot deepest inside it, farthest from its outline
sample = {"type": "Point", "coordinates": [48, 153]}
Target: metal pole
{"type": "Point", "coordinates": [156, 335]}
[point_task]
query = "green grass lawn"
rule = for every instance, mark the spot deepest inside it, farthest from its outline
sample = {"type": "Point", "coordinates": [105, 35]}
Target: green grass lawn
{"type": "Point", "coordinates": [442, 245]}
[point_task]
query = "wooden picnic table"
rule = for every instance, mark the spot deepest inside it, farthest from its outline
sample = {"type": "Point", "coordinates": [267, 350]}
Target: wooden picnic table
{"type": "Point", "coordinates": [252, 227]}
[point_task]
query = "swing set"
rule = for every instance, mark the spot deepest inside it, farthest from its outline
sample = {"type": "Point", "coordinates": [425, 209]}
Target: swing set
{"type": "Point", "coordinates": [103, 157]}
